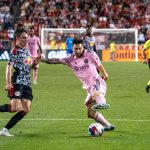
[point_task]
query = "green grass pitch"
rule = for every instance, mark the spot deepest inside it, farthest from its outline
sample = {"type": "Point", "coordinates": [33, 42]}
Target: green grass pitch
{"type": "Point", "coordinates": [58, 121]}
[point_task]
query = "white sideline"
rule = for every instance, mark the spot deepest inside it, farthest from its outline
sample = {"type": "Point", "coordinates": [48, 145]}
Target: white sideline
{"type": "Point", "coordinates": [69, 119]}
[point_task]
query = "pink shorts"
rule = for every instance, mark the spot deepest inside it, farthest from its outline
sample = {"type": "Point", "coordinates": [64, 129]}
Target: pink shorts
{"type": "Point", "coordinates": [99, 85]}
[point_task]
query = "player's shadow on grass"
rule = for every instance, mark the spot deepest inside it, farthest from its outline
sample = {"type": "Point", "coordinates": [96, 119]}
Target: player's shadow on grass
{"type": "Point", "coordinates": [30, 135]}
{"type": "Point", "coordinates": [82, 137]}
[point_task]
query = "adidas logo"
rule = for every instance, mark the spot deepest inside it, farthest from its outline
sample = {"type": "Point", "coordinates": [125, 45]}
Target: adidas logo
{"type": "Point", "coordinates": [4, 55]}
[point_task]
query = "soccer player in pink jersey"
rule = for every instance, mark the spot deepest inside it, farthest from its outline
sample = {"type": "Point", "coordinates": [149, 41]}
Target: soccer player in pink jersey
{"type": "Point", "coordinates": [33, 44]}
{"type": "Point", "coordinates": [84, 65]}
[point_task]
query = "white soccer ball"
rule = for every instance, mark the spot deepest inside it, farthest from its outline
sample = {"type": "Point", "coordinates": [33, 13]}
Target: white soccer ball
{"type": "Point", "coordinates": [96, 129]}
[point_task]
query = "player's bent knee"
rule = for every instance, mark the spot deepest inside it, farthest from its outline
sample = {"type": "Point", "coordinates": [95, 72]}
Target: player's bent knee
{"type": "Point", "coordinates": [95, 94]}
{"type": "Point", "coordinates": [35, 68]}
{"type": "Point", "coordinates": [15, 109]}
{"type": "Point", "coordinates": [26, 110]}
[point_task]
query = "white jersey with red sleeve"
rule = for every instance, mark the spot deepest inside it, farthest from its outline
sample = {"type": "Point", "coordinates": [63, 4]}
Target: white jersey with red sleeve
{"type": "Point", "coordinates": [32, 45]}
{"type": "Point", "coordinates": [85, 67]}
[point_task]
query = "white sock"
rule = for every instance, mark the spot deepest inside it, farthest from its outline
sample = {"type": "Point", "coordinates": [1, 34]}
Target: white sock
{"type": "Point", "coordinates": [100, 119]}
{"type": "Point", "coordinates": [100, 99]}
{"type": "Point", "coordinates": [5, 129]}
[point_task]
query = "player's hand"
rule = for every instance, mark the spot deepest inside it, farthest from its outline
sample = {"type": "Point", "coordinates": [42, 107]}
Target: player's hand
{"type": "Point", "coordinates": [8, 87]}
{"type": "Point", "coordinates": [105, 76]}
{"type": "Point", "coordinates": [37, 60]}
{"type": "Point", "coordinates": [43, 59]}
{"type": "Point", "coordinates": [144, 61]}
{"type": "Point", "coordinates": [42, 56]}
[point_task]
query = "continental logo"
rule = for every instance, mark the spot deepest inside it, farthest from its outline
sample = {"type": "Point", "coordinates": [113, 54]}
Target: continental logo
{"type": "Point", "coordinates": [122, 55]}
{"type": "Point", "coordinates": [128, 55]}
{"type": "Point", "coordinates": [125, 54]}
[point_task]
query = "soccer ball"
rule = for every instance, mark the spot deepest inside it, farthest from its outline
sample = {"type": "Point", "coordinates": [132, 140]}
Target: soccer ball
{"type": "Point", "coordinates": [96, 129]}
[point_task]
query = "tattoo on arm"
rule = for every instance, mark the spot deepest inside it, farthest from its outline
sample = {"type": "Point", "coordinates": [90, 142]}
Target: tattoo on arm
{"type": "Point", "coordinates": [51, 61]}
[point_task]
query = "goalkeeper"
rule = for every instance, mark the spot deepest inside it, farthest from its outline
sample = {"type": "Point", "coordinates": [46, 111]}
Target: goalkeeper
{"type": "Point", "coordinates": [147, 47]}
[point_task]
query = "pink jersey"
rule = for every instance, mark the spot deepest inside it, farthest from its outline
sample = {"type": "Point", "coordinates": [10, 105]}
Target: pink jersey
{"type": "Point", "coordinates": [85, 67]}
{"type": "Point", "coordinates": [32, 45]}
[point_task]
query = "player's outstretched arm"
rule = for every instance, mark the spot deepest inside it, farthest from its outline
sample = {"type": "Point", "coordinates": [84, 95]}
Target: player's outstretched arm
{"type": "Point", "coordinates": [103, 71]}
{"type": "Point", "coordinates": [51, 61]}
{"type": "Point", "coordinates": [8, 77]}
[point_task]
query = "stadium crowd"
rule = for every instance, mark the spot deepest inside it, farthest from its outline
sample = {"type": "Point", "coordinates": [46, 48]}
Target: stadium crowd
{"type": "Point", "coordinates": [74, 14]}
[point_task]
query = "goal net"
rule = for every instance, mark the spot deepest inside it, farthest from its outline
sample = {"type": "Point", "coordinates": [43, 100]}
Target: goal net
{"type": "Point", "coordinates": [53, 42]}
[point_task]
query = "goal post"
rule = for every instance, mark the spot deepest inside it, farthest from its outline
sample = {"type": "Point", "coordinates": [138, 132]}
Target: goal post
{"type": "Point", "coordinates": [126, 40]}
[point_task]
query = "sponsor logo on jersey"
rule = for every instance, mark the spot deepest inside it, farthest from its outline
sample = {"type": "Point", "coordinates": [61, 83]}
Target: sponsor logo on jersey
{"type": "Point", "coordinates": [17, 93]}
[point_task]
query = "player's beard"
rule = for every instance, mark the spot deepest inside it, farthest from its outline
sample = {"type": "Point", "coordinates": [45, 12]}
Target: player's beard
{"type": "Point", "coordinates": [78, 54]}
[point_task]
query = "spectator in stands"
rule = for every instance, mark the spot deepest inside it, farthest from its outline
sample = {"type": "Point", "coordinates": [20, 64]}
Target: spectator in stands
{"type": "Point", "coordinates": [77, 14]}
{"type": "Point", "coordinates": [141, 38]}
{"type": "Point", "coordinates": [1, 45]}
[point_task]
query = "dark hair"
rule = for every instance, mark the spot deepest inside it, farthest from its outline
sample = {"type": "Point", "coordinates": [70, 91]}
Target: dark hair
{"type": "Point", "coordinates": [19, 31]}
{"type": "Point", "coordinates": [77, 41]}
{"type": "Point", "coordinates": [88, 26]}
{"type": "Point", "coordinates": [31, 28]}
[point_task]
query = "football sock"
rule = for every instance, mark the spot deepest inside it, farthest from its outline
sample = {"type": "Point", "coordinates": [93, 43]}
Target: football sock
{"type": "Point", "coordinates": [16, 118]}
{"type": "Point", "coordinates": [100, 119]}
{"type": "Point", "coordinates": [100, 99]}
{"type": "Point", "coordinates": [148, 83]}
{"type": "Point", "coordinates": [35, 73]}
{"type": "Point", "coordinates": [5, 108]}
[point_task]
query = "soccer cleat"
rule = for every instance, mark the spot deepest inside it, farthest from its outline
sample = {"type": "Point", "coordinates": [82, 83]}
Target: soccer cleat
{"type": "Point", "coordinates": [100, 106]}
{"type": "Point", "coordinates": [5, 132]}
{"type": "Point", "coordinates": [147, 88]}
{"type": "Point", "coordinates": [112, 127]}
{"type": "Point", "coordinates": [34, 82]}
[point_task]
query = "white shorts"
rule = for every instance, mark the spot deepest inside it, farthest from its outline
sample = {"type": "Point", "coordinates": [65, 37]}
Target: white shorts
{"type": "Point", "coordinates": [99, 86]}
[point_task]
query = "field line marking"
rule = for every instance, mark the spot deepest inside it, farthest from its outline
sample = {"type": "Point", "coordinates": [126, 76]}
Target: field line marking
{"type": "Point", "coordinates": [70, 119]}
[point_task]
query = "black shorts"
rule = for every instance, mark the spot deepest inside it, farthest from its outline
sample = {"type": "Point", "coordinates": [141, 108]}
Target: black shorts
{"type": "Point", "coordinates": [20, 92]}
{"type": "Point", "coordinates": [149, 63]}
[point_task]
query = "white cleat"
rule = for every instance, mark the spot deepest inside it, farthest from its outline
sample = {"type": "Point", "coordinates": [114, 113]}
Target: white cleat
{"type": "Point", "coordinates": [34, 82]}
{"type": "Point", "coordinates": [5, 132]}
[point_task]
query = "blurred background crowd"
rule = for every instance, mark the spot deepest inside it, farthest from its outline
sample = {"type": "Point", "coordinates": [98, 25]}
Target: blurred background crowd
{"type": "Point", "coordinates": [74, 14]}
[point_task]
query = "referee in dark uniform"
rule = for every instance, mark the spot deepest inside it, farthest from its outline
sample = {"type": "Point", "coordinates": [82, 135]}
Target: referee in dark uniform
{"type": "Point", "coordinates": [18, 84]}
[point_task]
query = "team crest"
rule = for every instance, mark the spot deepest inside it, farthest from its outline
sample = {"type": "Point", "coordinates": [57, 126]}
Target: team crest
{"type": "Point", "coordinates": [85, 61]}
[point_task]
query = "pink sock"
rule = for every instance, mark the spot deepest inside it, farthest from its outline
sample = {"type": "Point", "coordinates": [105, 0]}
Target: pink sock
{"type": "Point", "coordinates": [100, 99]}
{"type": "Point", "coordinates": [100, 119]}
{"type": "Point", "coordinates": [35, 75]}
